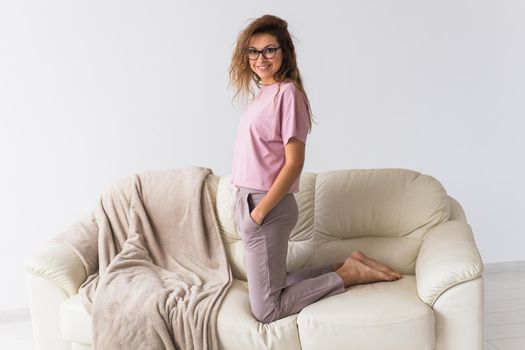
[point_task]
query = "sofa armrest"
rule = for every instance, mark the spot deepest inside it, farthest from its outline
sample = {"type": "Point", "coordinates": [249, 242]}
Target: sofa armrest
{"type": "Point", "coordinates": [448, 257]}
{"type": "Point", "coordinates": [58, 263]}
{"type": "Point", "coordinates": [55, 274]}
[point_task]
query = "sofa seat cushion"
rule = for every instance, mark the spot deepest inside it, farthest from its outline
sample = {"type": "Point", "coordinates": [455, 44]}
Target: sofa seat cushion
{"type": "Point", "coordinates": [238, 329]}
{"type": "Point", "coordinates": [75, 322]}
{"type": "Point", "coordinates": [380, 315]}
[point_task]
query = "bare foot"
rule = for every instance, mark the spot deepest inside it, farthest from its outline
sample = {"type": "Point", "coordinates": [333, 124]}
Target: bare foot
{"type": "Point", "coordinates": [374, 264]}
{"type": "Point", "coordinates": [354, 271]}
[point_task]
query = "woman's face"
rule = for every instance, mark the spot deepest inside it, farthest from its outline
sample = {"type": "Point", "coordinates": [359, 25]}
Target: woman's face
{"type": "Point", "coordinates": [265, 68]}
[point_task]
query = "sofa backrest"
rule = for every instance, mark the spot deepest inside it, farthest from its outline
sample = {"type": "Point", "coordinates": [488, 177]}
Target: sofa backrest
{"type": "Point", "coordinates": [384, 213]}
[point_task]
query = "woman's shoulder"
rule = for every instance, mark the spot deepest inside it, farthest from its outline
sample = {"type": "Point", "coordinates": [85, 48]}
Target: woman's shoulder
{"type": "Point", "coordinates": [290, 90]}
{"type": "Point", "coordinates": [287, 87]}
{"type": "Point", "coordinates": [289, 84]}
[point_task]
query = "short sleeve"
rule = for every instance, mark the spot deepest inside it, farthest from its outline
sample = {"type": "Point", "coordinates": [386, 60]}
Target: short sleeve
{"type": "Point", "coordinates": [295, 117]}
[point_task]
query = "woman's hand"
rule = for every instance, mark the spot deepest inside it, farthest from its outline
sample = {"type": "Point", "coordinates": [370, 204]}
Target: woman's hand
{"type": "Point", "coordinates": [257, 216]}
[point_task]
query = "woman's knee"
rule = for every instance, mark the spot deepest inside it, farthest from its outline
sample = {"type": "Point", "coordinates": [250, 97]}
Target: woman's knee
{"type": "Point", "coordinates": [264, 317]}
{"type": "Point", "coordinates": [263, 313]}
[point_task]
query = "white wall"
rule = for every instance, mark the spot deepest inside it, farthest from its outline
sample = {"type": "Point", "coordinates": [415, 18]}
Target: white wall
{"type": "Point", "coordinates": [91, 91]}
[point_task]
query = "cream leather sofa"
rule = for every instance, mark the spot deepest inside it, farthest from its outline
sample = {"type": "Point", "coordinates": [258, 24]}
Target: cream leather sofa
{"type": "Point", "coordinates": [400, 217]}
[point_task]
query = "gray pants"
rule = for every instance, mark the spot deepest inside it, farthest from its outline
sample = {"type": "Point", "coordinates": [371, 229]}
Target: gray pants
{"type": "Point", "coordinates": [273, 292]}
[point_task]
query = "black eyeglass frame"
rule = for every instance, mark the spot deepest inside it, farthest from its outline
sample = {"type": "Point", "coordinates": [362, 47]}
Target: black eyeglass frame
{"type": "Point", "coordinates": [260, 52]}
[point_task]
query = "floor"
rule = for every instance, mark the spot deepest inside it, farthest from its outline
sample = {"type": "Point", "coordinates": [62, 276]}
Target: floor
{"type": "Point", "coordinates": [504, 313]}
{"type": "Point", "coordinates": [504, 307]}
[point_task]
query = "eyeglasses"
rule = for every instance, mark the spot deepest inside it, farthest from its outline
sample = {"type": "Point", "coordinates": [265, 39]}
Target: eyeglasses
{"type": "Point", "coordinates": [268, 53]}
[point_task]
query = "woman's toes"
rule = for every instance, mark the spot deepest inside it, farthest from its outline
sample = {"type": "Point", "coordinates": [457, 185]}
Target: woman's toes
{"type": "Point", "coordinates": [354, 271]}
{"type": "Point", "coordinates": [396, 274]}
{"type": "Point", "coordinates": [374, 264]}
{"type": "Point", "coordinates": [392, 277]}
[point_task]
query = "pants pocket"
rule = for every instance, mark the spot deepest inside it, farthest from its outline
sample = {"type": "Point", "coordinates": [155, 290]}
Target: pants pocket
{"type": "Point", "coordinates": [250, 204]}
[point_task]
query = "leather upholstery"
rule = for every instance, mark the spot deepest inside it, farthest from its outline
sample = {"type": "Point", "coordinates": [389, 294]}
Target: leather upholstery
{"type": "Point", "coordinates": [370, 316]}
{"type": "Point", "coordinates": [398, 216]}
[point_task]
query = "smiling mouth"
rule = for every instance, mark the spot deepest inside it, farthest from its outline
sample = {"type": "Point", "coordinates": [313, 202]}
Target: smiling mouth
{"type": "Point", "coordinates": [265, 67]}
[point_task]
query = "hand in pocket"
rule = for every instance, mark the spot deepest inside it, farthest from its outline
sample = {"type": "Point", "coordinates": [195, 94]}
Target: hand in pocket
{"type": "Point", "coordinates": [254, 217]}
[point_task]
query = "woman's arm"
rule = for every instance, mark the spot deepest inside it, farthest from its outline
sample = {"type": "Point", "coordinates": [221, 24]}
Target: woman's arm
{"type": "Point", "coordinates": [294, 155]}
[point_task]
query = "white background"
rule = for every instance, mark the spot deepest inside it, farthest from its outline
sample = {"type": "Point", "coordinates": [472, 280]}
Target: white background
{"type": "Point", "coordinates": [91, 91]}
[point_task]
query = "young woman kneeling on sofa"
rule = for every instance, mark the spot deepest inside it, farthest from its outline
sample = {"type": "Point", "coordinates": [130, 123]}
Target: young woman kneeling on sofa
{"type": "Point", "coordinates": [268, 160]}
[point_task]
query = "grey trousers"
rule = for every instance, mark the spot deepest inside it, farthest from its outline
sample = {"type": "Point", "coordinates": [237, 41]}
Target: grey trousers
{"type": "Point", "coordinates": [275, 293]}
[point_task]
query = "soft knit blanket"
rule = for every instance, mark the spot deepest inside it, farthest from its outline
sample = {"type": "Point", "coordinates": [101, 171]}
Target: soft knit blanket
{"type": "Point", "coordinates": [156, 264]}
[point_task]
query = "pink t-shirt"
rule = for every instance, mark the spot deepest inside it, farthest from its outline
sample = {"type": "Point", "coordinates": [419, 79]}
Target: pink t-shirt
{"type": "Point", "coordinates": [264, 130]}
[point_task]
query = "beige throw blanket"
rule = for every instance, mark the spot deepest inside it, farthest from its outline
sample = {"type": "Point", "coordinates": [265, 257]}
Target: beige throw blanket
{"type": "Point", "coordinates": [156, 263]}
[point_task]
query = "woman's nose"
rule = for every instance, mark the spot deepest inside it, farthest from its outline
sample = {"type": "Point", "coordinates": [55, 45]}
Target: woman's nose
{"type": "Point", "coordinates": [261, 59]}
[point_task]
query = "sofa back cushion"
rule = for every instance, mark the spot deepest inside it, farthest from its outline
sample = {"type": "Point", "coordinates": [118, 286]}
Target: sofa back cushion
{"type": "Point", "coordinates": [383, 212]}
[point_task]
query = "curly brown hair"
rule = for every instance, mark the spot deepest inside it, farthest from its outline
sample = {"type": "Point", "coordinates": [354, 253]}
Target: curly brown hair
{"type": "Point", "coordinates": [241, 75]}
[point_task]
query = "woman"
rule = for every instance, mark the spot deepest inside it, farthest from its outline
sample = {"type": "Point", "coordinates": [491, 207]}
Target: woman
{"type": "Point", "coordinates": [268, 160]}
